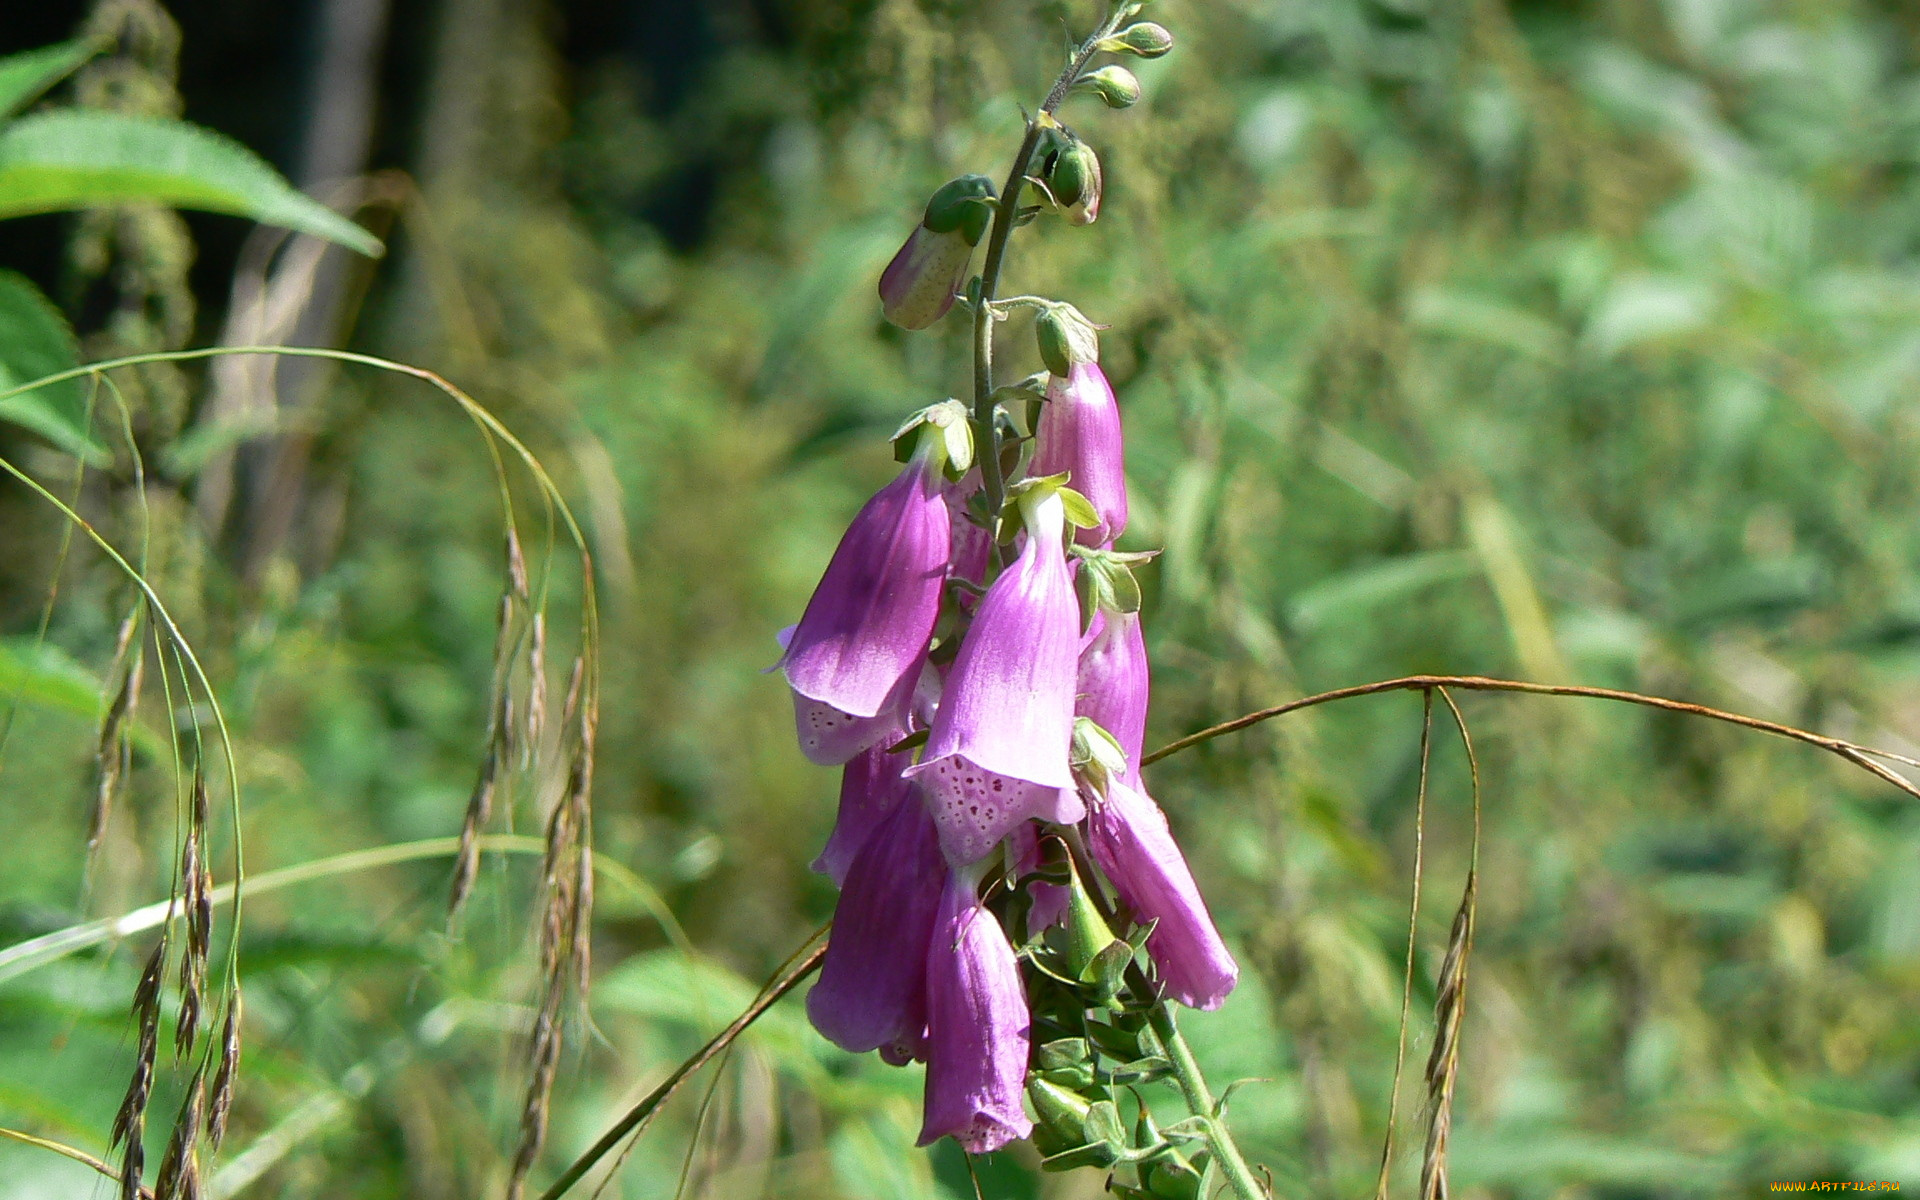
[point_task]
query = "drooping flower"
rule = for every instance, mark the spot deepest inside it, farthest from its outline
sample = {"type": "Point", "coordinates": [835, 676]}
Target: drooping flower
{"type": "Point", "coordinates": [1079, 433]}
{"type": "Point", "coordinates": [872, 991]}
{"type": "Point", "coordinates": [998, 750]}
{"type": "Point", "coordinates": [870, 787]}
{"type": "Point", "coordinates": [978, 1028]}
{"type": "Point", "coordinates": [1113, 681]}
{"type": "Point", "coordinates": [1075, 182]}
{"type": "Point", "coordinates": [855, 657]}
{"type": "Point", "coordinates": [1129, 838]}
{"type": "Point", "coordinates": [919, 285]}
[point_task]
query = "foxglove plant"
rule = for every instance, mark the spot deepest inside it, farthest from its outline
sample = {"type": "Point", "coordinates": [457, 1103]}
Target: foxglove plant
{"type": "Point", "coordinates": [973, 657]}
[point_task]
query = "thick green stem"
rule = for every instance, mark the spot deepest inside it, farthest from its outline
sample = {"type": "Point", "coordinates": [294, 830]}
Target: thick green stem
{"type": "Point", "coordinates": [1200, 1102]}
{"type": "Point", "coordinates": [1186, 1069]}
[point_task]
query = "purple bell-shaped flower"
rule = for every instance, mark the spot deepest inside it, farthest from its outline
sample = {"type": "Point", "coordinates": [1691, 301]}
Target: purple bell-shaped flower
{"type": "Point", "coordinates": [1129, 838]}
{"type": "Point", "coordinates": [1079, 433]}
{"type": "Point", "coordinates": [856, 655]}
{"type": "Point", "coordinates": [870, 787]}
{"type": "Point", "coordinates": [998, 750]}
{"type": "Point", "coordinates": [872, 991]}
{"type": "Point", "coordinates": [978, 1028]}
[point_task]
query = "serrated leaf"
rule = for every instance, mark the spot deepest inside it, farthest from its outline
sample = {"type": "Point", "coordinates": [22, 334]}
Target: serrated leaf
{"type": "Point", "coordinates": [23, 77]}
{"type": "Point", "coordinates": [53, 161]}
{"type": "Point", "coordinates": [34, 343]}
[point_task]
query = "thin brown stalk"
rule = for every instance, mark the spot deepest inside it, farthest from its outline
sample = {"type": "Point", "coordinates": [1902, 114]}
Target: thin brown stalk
{"type": "Point", "coordinates": [1450, 1006]}
{"type": "Point", "coordinates": [1860, 756]}
{"type": "Point", "coordinates": [1413, 933]}
{"type": "Point", "coordinates": [791, 974]}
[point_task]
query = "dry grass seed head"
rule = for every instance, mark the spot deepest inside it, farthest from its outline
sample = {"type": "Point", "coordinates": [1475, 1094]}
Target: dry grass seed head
{"type": "Point", "coordinates": [1443, 1065]}
{"type": "Point", "coordinates": [227, 1071]}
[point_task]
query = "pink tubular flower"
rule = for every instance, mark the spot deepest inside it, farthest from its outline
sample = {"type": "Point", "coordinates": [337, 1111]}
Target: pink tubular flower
{"type": "Point", "coordinates": [1113, 681]}
{"type": "Point", "coordinates": [1079, 433]}
{"type": "Point", "coordinates": [1130, 840]}
{"type": "Point", "coordinates": [977, 1028]}
{"type": "Point", "coordinates": [872, 992]}
{"type": "Point", "coordinates": [870, 787]}
{"type": "Point", "coordinates": [919, 285]}
{"type": "Point", "coordinates": [997, 753]}
{"type": "Point", "coordinates": [857, 651]}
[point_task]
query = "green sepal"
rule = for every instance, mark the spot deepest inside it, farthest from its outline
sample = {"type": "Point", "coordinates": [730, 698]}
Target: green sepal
{"type": "Point", "coordinates": [1172, 1177]}
{"type": "Point", "coordinates": [1065, 337]}
{"type": "Point", "coordinates": [1072, 1078]}
{"type": "Point", "coordinates": [1146, 39]}
{"type": "Point", "coordinates": [946, 428]}
{"type": "Point", "coordinates": [1141, 1070]}
{"type": "Point", "coordinates": [1093, 1154]}
{"type": "Point", "coordinates": [1096, 754]}
{"type": "Point", "coordinates": [964, 204]}
{"type": "Point", "coordinates": [1113, 83]}
{"type": "Point", "coordinates": [912, 741]}
{"type": "Point", "coordinates": [1062, 1052]}
{"type": "Point", "coordinates": [1062, 1111]}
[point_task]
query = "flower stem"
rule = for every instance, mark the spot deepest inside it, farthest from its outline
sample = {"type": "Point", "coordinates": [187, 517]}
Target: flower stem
{"type": "Point", "coordinates": [986, 434]}
{"type": "Point", "coordinates": [1200, 1102]}
{"type": "Point", "coordinates": [1186, 1069]}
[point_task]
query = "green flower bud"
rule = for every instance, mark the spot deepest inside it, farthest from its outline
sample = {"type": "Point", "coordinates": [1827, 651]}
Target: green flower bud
{"type": "Point", "coordinates": [1066, 338]}
{"type": "Point", "coordinates": [961, 204]}
{"type": "Point", "coordinates": [1147, 39]}
{"type": "Point", "coordinates": [1114, 84]}
{"type": "Point", "coordinates": [1075, 182]}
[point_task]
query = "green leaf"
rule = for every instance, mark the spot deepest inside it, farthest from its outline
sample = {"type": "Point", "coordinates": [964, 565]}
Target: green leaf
{"type": "Point", "coordinates": [52, 161]}
{"type": "Point", "coordinates": [35, 342]}
{"type": "Point", "coordinates": [45, 677]}
{"type": "Point", "coordinates": [23, 77]}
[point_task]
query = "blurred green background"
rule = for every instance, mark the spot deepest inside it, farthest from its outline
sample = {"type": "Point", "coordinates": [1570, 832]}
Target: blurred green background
{"type": "Point", "coordinates": [1573, 340]}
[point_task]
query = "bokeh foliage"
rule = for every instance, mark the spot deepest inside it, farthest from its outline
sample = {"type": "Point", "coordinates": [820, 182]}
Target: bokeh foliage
{"type": "Point", "coordinates": [1572, 341]}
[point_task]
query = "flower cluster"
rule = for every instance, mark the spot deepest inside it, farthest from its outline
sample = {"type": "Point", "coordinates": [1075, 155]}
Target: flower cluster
{"type": "Point", "coordinates": [961, 708]}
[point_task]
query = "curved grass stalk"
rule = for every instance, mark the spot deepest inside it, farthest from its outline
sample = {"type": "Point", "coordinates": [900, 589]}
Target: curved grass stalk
{"type": "Point", "coordinates": [18, 959]}
{"type": "Point", "coordinates": [73, 1152]}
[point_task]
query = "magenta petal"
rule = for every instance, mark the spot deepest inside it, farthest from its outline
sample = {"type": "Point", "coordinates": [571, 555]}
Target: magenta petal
{"type": "Point", "coordinates": [1079, 433]}
{"type": "Point", "coordinates": [872, 987]}
{"type": "Point", "coordinates": [870, 786]}
{"type": "Point", "coordinates": [870, 618]}
{"type": "Point", "coordinates": [977, 1029]}
{"type": "Point", "coordinates": [1113, 681]}
{"type": "Point", "coordinates": [1130, 840]}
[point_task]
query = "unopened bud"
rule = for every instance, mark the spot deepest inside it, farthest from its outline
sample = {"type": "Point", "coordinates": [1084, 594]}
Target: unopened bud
{"type": "Point", "coordinates": [919, 285]}
{"type": "Point", "coordinates": [1147, 39]}
{"type": "Point", "coordinates": [1114, 84]}
{"type": "Point", "coordinates": [1066, 338]}
{"type": "Point", "coordinates": [1075, 182]}
{"type": "Point", "coordinates": [961, 204]}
